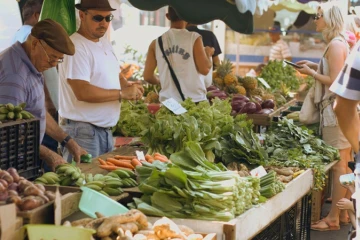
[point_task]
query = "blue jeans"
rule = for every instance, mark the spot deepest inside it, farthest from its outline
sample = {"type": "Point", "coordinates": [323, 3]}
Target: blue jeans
{"type": "Point", "coordinates": [51, 144]}
{"type": "Point", "coordinates": [95, 140]}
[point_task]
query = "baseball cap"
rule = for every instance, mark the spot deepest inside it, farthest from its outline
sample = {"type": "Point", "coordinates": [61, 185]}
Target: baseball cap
{"type": "Point", "coordinates": [54, 35]}
{"type": "Point", "coordinates": [275, 29]}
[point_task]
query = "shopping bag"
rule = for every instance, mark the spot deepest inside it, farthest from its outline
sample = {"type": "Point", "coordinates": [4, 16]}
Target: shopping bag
{"type": "Point", "coordinates": [61, 11]}
{"type": "Point", "coordinates": [309, 113]}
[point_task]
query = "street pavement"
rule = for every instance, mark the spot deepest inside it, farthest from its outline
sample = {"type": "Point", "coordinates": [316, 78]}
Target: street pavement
{"type": "Point", "coordinates": [341, 234]}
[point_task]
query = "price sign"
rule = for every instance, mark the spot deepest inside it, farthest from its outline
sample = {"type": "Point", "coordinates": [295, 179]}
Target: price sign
{"type": "Point", "coordinates": [174, 106]}
{"type": "Point", "coordinates": [258, 172]}
{"type": "Point", "coordinates": [140, 155]}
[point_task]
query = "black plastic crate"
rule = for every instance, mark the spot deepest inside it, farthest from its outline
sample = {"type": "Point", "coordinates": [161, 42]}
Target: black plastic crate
{"type": "Point", "coordinates": [20, 146]}
{"type": "Point", "coordinates": [294, 224]}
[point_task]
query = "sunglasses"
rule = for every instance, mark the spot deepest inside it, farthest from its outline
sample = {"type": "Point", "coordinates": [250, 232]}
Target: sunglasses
{"type": "Point", "coordinates": [99, 18]}
{"type": "Point", "coordinates": [318, 16]}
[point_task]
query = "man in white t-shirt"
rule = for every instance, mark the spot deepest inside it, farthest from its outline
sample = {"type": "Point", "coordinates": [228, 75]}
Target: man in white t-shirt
{"type": "Point", "coordinates": [189, 59]}
{"type": "Point", "coordinates": [279, 49]}
{"type": "Point", "coordinates": [90, 87]}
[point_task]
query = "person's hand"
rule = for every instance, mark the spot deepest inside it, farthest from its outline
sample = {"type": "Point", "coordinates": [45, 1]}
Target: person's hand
{"type": "Point", "coordinates": [310, 64]}
{"type": "Point", "coordinates": [133, 92]}
{"type": "Point", "coordinates": [305, 69]}
{"type": "Point", "coordinates": [56, 160]}
{"type": "Point", "coordinates": [130, 83]}
{"type": "Point", "coordinates": [345, 204]}
{"type": "Point", "coordinates": [209, 51]}
{"type": "Point", "coordinates": [75, 150]}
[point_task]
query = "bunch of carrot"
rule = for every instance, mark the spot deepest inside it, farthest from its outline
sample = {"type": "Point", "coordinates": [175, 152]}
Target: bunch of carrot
{"type": "Point", "coordinates": [129, 162]}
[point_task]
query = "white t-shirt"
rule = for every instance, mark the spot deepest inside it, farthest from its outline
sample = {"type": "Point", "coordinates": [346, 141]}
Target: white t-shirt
{"type": "Point", "coordinates": [279, 51]}
{"type": "Point", "coordinates": [22, 34]}
{"type": "Point", "coordinates": [178, 46]}
{"type": "Point", "coordinates": [96, 63]}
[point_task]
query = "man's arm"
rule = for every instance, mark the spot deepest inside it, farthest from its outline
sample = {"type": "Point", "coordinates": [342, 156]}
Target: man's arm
{"type": "Point", "coordinates": [54, 131]}
{"type": "Point", "coordinates": [348, 119]}
{"type": "Point", "coordinates": [150, 65]}
{"type": "Point", "coordinates": [49, 105]}
{"type": "Point", "coordinates": [51, 158]}
{"type": "Point", "coordinates": [202, 56]}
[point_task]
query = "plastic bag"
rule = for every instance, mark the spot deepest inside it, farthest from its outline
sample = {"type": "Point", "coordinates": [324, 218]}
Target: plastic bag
{"type": "Point", "coordinates": [61, 11]}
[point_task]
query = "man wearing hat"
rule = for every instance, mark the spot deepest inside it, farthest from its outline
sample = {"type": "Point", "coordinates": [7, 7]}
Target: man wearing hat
{"type": "Point", "coordinates": [21, 80]}
{"type": "Point", "coordinates": [279, 49]}
{"type": "Point", "coordinates": [90, 86]}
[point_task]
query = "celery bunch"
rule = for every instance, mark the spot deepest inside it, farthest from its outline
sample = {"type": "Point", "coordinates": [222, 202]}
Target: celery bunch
{"type": "Point", "coordinates": [270, 186]}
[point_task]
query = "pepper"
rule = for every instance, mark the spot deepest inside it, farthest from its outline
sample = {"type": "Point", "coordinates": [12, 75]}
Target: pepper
{"type": "Point", "coordinates": [86, 158]}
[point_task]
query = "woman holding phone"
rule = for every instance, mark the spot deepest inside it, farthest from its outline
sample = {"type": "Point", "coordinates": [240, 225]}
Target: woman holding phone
{"type": "Point", "coordinates": [329, 21]}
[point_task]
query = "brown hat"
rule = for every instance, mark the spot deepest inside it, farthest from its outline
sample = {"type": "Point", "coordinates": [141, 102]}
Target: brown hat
{"type": "Point", "coordinates": [54, 35]}
{"type": "Point", "coordinates": [100, 5]}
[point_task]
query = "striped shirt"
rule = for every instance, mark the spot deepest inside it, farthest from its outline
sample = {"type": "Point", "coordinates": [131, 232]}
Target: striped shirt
{"type": "Point", "coordinates": [279, 51]}
{"type": "Point", "coordinates": [21, 82]}
{"type": "Point", "coordinates": [347, 83]}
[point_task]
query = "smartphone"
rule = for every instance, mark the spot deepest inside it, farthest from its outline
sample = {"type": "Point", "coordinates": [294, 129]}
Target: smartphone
{"type": "Point", "coordinates": [292, 64]}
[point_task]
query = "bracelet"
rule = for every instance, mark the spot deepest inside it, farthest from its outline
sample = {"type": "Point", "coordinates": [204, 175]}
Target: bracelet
{"type": "Point", "coordinates": [120, 95]}
{"type": "Point", "coordinates": [65, 141]}
{"type": "Point", "coordinates": [314, 74]}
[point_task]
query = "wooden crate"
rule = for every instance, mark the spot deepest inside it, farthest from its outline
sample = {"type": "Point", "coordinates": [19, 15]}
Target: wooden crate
{"type": "Point", "coordinates": [317, 199]}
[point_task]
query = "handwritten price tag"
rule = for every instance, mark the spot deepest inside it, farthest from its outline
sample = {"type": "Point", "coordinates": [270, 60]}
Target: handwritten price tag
{"type": "Point", "coordinates": [174, 106]}
{"type": "Point", "coordinates": [258, 172]}
{"type": "Point", "coordinates": [140, 155]}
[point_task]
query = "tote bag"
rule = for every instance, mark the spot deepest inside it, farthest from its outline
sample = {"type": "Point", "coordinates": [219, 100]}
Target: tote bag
{"type": "Point", "coordinates": [309, 114]}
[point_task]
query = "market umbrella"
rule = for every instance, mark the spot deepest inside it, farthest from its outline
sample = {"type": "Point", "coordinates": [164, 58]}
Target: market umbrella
{"type": "Point", "coordinates": [203, 11]}
{"type": "Point", "coordinates": [292, 6]}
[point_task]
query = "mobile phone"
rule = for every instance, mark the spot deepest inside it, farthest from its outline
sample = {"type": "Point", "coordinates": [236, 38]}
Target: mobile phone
{"type": "Point", "coordinates": [292, 64]}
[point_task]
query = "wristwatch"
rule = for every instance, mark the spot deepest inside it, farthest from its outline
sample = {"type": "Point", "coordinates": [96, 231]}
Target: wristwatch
{"type": "Point", "coordinates": [65, 141]}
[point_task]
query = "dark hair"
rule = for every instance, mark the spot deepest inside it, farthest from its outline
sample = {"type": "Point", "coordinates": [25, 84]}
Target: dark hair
{"type": "Point", "coordinates": [173, 15]}
{"type": "Point", "coordinates": [31, 7]}
{"type": "Point", "coordinates": [259, 67]}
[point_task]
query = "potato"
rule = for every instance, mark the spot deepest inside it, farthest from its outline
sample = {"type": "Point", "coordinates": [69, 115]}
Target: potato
{"type": "Point", "coordinates": [44, 198]}
{"type": "Point", "coordinates": [3, 196]}
{"type": "Point", "coordinates": [13, 186]}
{"type": "Point", "coordinates": [50, 195]}
{"type": "Point", "coordinates": [14, 199]}
{"type": "Point", "coordinates": [5, 183]}
{"type": "Point", "coordinates": [24, 184]}
{"type": "Point", "coordinates": [13, 193]}
{"type": "Point", "coordinates": [32, 190]}
{"type": "Point", "coordinates": [40, 186]}
{"type": "Point", "coordinates": [8, 178]}
{"type": "Point", "coordinates": [29, 204]}
{"type": "Point", "coordinates": [13, 172]}
{"type": "Point", "coordinates": [2, 188]}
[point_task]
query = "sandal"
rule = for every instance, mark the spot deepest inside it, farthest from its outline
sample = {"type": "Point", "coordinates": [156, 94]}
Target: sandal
{"type": "Point", "coordinates": [328, 228]}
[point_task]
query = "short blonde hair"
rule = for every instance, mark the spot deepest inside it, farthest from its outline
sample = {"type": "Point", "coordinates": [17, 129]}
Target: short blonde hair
{"type": "Point", "coordinates": [334, 20]}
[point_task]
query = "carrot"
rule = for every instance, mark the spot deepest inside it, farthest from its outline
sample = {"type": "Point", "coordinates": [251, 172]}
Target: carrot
{"type": "Point", "coordinates": [101, 161]}
{"type": "Point", "coordinates": [160, 157]}
{"type": "Point", "coordinates": [120, 163]}
{"type": "Point", "coordinates": [124, 157]}
{"type": "Point", "coordinates": [110, 164]}
{"type": "Point", "coordinates": [108, 167]}
{"type": "Point", "coordinates": [135, 162]}
{"type": "Point", "coordinates": [149, 158]}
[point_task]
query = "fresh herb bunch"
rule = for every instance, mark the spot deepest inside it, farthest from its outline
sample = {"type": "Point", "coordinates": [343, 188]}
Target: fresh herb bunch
{"type": "Point", "coordinates": [276, 74]}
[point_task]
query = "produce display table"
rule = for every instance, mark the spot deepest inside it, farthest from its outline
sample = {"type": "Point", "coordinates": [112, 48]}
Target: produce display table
{"type": "Point", "coordinates": [249, 224]}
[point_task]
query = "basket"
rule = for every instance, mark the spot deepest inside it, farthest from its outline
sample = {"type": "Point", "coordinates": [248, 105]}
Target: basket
{"type": "Point", "coordinates": [20, 146]}
{"type": "Point", "coordinates": [51, 232]}
{"type": "Point", "coordinates": [92, 201]}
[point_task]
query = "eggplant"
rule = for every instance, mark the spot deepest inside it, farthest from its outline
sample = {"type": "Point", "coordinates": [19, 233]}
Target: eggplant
{"type": "Point", "coordinates": [216, 93]}
{"type": "Point", "coordinates": [211, 88]}
{"type": "Point", "coordinates": [237, 97]}
{"type": "Point", "coordinates": [257, 99]}
{"type": "Point", "coordinates": [258, 106]}
{"type": "Point", "coordinates": [265, 111]}
{"type": "Point", "coordinates": [237, 105]}
{"type": "Point", "coordinates": [268, 104]}
{"type": "Point", "coordinates": [249, 108]}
